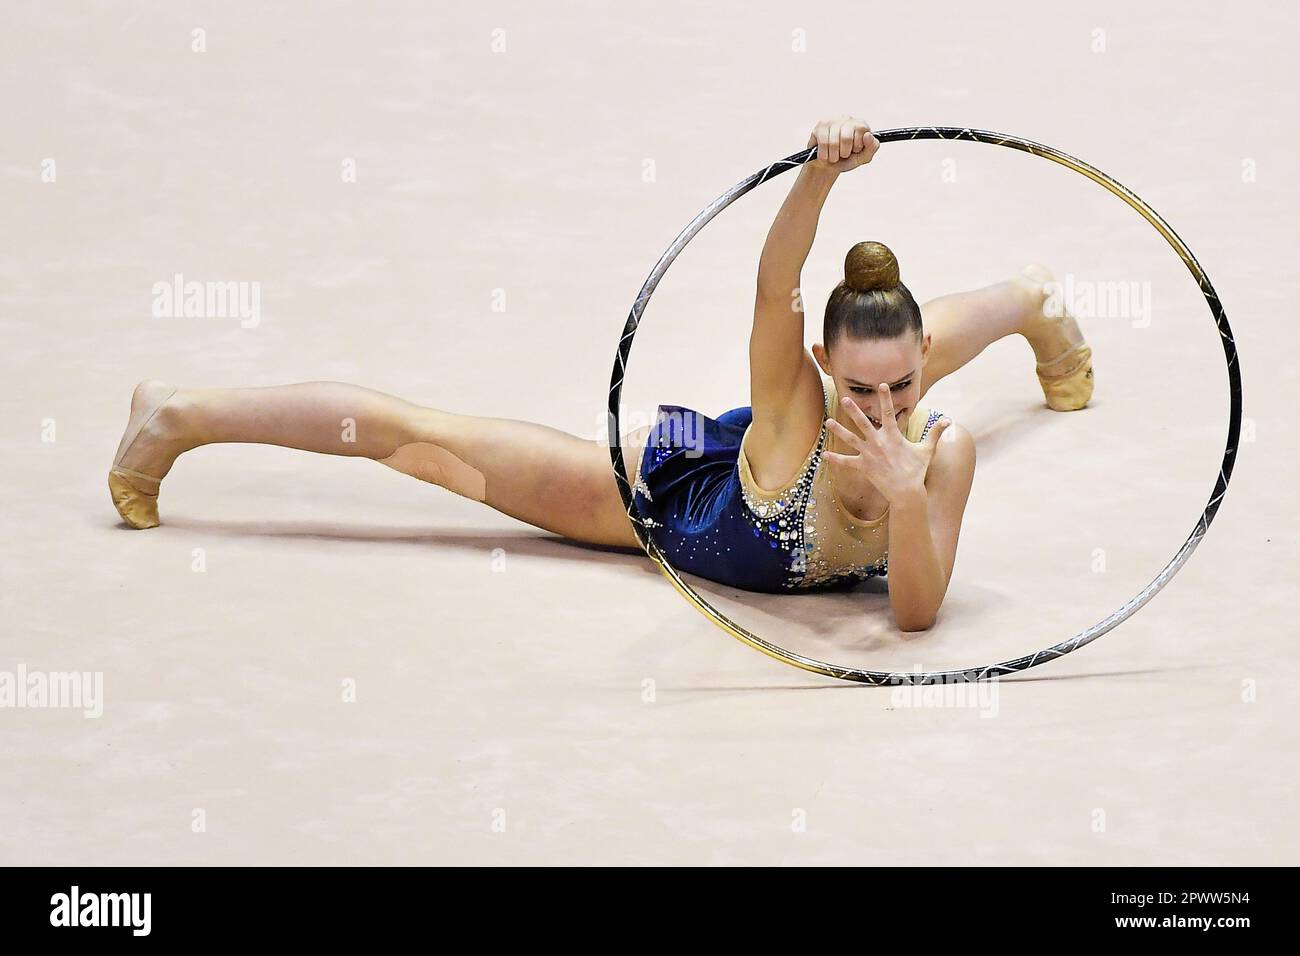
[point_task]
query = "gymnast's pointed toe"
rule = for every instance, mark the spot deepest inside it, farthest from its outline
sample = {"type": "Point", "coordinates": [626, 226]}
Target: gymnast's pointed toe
{"type": "Point", "coordinates": [1063, 356]}
{"type": "Point", "coordinates": [1067, 381]}
{"type": "Point", "coordinates": [135, 496]}
{"type": "Point", "coordinates": [146, 443]}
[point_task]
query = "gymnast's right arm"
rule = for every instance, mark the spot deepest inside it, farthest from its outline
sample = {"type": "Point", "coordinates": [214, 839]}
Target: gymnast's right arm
{"type": "Point", "coordinates": [777, 357]}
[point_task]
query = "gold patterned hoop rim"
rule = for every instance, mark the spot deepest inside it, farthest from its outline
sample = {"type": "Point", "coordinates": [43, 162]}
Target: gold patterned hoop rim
{"type": "Point", "coordinates": [987, 671]}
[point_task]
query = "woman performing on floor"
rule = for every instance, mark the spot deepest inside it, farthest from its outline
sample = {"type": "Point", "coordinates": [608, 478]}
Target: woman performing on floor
{"type": "Point", "coordinates": [832, 474]}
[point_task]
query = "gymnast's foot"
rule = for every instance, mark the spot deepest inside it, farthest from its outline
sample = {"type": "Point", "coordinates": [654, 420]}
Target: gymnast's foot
{"type": "Point", "coordinates": [150, 445]}
{"type": "Point", "coordinates": [1064, 358]}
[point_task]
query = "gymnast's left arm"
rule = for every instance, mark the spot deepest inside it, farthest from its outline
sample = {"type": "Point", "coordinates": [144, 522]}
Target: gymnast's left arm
{"type": "Point", "coordinates": [923, 529]}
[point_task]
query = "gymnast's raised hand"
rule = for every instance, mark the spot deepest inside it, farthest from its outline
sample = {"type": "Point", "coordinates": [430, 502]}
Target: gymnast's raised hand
{"type": "Point", "coordinates": [842, 144]}
{"type": "Point", "coordinates": [894, 465]}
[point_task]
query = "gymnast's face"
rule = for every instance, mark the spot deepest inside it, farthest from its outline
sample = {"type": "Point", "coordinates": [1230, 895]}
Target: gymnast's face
{"type": "Point", "coordinates": [858, 366]}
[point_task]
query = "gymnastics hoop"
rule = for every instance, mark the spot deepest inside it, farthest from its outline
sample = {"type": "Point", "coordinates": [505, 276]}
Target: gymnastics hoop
{"type": "Point", "coordinates": [929, 677]}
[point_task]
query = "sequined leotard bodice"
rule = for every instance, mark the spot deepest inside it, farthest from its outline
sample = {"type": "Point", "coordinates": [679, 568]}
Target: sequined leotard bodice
{"type": "Point", "coordinates": [699, 499]}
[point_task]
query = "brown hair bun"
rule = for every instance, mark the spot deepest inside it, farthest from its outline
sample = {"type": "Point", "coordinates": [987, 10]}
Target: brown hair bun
{"type": "Point", "coordinates": [870, 267]}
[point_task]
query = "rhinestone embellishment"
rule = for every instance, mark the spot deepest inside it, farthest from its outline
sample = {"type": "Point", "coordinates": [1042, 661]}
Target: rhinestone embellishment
{"type": "Point", "coordinates": [781, 521]}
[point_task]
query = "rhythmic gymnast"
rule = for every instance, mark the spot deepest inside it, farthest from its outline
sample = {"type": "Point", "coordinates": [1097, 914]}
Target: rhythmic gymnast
{"type": "Point", "coordinates": [833, 473]}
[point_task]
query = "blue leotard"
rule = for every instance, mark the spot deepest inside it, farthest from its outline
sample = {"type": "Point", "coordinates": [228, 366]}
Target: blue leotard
{"type": "Point", "coordinates": [703, 509]}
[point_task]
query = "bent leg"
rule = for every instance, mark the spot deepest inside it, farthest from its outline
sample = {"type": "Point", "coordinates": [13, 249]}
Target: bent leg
{"type": "Point", "coordinates": [964, 324]}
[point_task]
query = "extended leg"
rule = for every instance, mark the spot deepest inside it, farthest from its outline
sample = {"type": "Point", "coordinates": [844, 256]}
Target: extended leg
{"type": "Point", "coordinates": [532, 472]}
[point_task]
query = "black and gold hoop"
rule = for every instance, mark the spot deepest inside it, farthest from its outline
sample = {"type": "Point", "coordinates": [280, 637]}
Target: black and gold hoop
{"type": "Point", "coordinates": [986, 672]}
